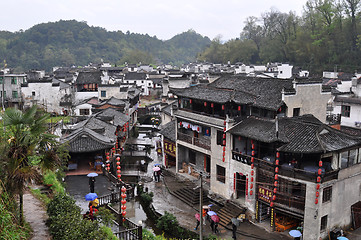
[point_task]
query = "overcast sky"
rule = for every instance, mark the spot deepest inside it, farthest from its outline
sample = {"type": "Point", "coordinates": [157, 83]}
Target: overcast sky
{"type": "Point", "coordinates": [163, 18]}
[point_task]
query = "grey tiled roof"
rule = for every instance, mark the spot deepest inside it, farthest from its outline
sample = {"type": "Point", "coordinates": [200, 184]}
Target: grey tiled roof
{"type": "Point", "coordinates": [135, 76]}
{"type": "Point", "coordinates": [168, 131]}
{"type": "Point", "coordinates": [89, 77]}
{"type": "Point", "coordinates": [119, 119]}
{"type": "Point", "coordinates": [303, 134]}
{"type": "Point", "coordinates": [87, 140]}
{"type": "Point", "coordinates": [259, 92]}
{"type": "Point", "coordinates": [114, 101]}
{"type": "Point", "coordinates": [108, 130]}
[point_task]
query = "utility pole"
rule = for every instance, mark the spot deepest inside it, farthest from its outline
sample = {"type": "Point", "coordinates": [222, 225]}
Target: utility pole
{"type": "Point", "coordinates": [3, 85]}
{"type": "Point", "coordinates": [201, 208]}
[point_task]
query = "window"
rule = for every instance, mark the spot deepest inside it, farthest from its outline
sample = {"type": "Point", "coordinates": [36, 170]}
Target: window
{"type": "Point", "coordinates": [345, 111]}
{"type": "Point", "coordinates": [33, 93]}
{"type": "Point", "coordinates": [220, 138]}
{"type": "Point", "coordinates": [221, 174]}
{"type": "Point", "coordinates": [192, 157]}
{"type": "Point", "coordinates": [84, 111]}
{"type": "Point", "coordinates": [296, 112]}
{"type": "Point", "coordinates": [15, 94]}
{"type": "Point", "coordinates": [327, 194]}
{"type": "Point", "coordinates": [1, 80]}
{"type": "Point", "coordinates": [13, 80]}
{"type": "Point", "coordinates": [103, 93]}
{"type": "Point", "coordinates": [323, 223]}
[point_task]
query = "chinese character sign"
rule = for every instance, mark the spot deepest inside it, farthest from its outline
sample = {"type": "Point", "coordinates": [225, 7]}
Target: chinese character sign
{"type": "Point", "coordinates": [264, 194]}
{"type": "Point", "coordinates": [169, 148]}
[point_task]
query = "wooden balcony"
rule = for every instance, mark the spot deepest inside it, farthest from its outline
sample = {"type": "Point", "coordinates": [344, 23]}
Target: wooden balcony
{"type": "Point", "coordinates": [200, 141]}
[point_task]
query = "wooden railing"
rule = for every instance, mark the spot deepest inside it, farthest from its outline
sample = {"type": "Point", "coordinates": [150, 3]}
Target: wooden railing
{"type": "Point", "coordinates": [200, 141]}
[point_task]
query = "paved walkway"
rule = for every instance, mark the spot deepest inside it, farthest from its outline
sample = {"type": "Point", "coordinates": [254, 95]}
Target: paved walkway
{"type": "Point", "coordinates": [35, 214]}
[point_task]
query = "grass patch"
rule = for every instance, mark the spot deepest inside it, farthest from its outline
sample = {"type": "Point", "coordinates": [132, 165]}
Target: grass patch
{"type": "Point", "coordinates": [50, 178]}
{"type": "Point", "coordinates": [41, 196]}
{"type": "Point", "coordinates": [66, 119]}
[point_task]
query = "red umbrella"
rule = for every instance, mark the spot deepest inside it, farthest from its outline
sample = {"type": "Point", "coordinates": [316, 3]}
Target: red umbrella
{"type": "Point", "coordinates": [197, 216]}
{"type": "Point", "coordinates": [215, 218]}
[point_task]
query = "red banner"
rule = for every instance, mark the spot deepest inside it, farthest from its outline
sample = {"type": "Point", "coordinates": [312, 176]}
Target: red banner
{"type": "Point", "coordinates": [264, 194]}
{"type": "Point", "coordinates": [169, 147]}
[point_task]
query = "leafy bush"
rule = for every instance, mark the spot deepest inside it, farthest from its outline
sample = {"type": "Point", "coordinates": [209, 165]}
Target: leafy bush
{"type": "Point", "coordinates": [66, 221]}
{"type": "Point", "coordinates": [168, 223]}
{"type": "Point", "coordinates": [148, 235]}
{"type": "Point", "coordinates": [42, 197]}
{"type": "Point", "coordinates": [147, 198]}
{"type": "Point", "coordinates": [50, 178]}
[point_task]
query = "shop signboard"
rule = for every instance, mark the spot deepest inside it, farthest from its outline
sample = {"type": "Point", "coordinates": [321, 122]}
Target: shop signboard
{"type": "Point", "coordinates": [169, 147]}
{"type": "Point", "coordinates": [264, 194]}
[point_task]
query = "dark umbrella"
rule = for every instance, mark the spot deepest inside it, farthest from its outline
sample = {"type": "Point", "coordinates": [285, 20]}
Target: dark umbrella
{"type": "Point", "coordinates": [91, 196]}
{"type": "Point", "coordinates": [235, 222]}
{"type": "Point", "coordinates": [215, 218]}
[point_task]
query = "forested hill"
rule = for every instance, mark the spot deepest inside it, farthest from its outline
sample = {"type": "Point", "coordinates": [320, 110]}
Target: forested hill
{"type": "Point", "coordinates": [66, 43]}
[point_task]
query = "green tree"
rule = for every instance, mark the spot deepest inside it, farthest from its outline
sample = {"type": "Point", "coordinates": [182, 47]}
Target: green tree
{"type": "Point", "coordinates": [25, 137]}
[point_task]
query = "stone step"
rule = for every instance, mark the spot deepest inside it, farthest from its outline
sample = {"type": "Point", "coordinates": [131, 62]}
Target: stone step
{"type": "Point", "coordinates": [227, 212]}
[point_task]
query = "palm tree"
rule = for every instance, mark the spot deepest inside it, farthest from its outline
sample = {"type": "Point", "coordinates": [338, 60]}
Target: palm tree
{"type": "Point", "coordinates": [26, 136]}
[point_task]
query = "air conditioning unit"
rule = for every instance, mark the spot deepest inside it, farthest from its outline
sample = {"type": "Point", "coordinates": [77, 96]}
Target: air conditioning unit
{"type": "Point", "coordinates": [357, 124]}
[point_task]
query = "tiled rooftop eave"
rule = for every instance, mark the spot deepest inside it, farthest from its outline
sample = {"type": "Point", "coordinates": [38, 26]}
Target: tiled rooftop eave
{"type": "Point", "coordinates": [199, 118]}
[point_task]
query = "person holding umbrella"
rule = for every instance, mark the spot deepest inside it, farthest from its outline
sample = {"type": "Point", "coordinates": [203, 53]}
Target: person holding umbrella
{"type": "Point", "coordinates": [235, 224]}
{"type": "Point", "coordinates": [215, 220]}
{"type": "Point", "coordinates": [92, 181]}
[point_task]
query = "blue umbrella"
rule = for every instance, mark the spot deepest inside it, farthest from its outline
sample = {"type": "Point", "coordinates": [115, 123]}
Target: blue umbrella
{"type": "Point", "coordinates": [92, 174]}
{"type": "Point", "coordinates": [211, 213]}
{"type": "Point", "coordinates": [157, 164]}
{"type": "Point", "coordinates": [91, 196]}
{"type": "Point", "coordinates": [295, 233]}
{"type": "Point", "coordinates": [342, 238]}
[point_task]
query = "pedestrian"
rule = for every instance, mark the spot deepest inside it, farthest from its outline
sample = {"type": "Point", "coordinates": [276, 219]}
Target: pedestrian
{"type": "Point", "coordinates": [198, 222]}
{"type": "Point", "coordinates": [212, 225]}
{"type": "Point", "coordinates": [204, 214]}
{"type": "Point", "coordinates": [159, 173]}
{"type": "Point", "coordinates": [91, 184]}
{"type": "Point", "coordinates": [155, 176]}
{"type": "Point", "coordinates": [234, 231]}
{"type": "Point", "coordinates": [216, 227]}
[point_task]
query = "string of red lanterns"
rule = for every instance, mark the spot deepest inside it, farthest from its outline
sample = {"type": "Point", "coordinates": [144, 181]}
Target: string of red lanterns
{"type": "Point", "coordinates": [275, 184]}
{"type": "Point", "coordinates": [318, 181]}
{"type": "Point", "coordinates": [107, 162]}
{"type": "Point", "coordinates": [252, 167]}
{"type": "Point", "coordinates": [123, 202]}
{"type": "Point", "coordinates": [224, 141]}
{"type": "Point", "coordinates": [118, 169]}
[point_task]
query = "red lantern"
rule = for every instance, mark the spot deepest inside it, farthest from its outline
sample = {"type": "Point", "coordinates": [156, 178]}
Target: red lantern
{"type": "Point", "coordinates": [252, 166]}
{"type": "Point", "coordinates": [119, 176]}
{"type": "Point", "coordinates": [224, 153]}
{"type": "Point", "coordinates": [318, 179]}
{"type": "Point", "coordinates": [180, 124]}
{"type": "Point", "coordinates": [107, 154]}
{"type": "Point", "coordinates": [252, 153]}
{"type": "Point", "coordinates": [275, 190]}
{"type": "Point", "coordinates": [123, 195]}
{"type": "Point", "coordinates": [252, 146]}
{"type": "Point", "coordinates": [118, 167]}
{"type": "Point", "coordinates": [118, 163]}
{"type": "Point", "coordinates": [197, 129]}
{"type": "Point", "coordinates": [276, 170]}
{"type": "Point", "coordinates": [320, 163]}
{"type": "Point", "coordinates": [190, 100]}
{"type": "Point", "coordinates": [224, 148]}
{"type": "Point", "coordinates": [274, 198]}
{"type": "Point", "coordinates": [224, 142]}
{"type": "Point", "coordinates": [252, 172]}
{"type": "Point", "coordinates": [212, 105]}
{"type": "Point", "coordinates": [124, 213]}
{"type": "Point", "coordinates": [205, 104]}
{"type": "Point", "coordinates": [118, 158]}
{"type": "Point", "coordinates": [277, 162]}
{"type": "Point", "coordinates": [252, 159]}
{"type": "Point", "coordinates": [223, 159]}
{"type": "Point", "coordinates": [271, 204]}
{"type": "Point", "coordinates": [123, 207]}
{"type": "Point", "coordinates": [318, 186]}
{"type": "Point", "coordinates": [207, 131]}
{"type": "Point", "coordinates": [222, 107]}
{"type": "Point", "coordinates": [275, 184]}
{"type": "Point", "coordinates": [251, 185]}
{"type": "Point", "coordinates": [224, 135]}
{"type": "Point", "coordinates": [239, 108]}
{"type": "Point", "coordinates": [317, 194]}
{"type": "Point", "coordinates": [251, 179]}
{"type": "Point", "coordinates": [224, 129]}
{"type": "Point", "coordinates": [107, 158]}
{"type": "Point", "coordinates": [276, 176]}
{"type": "Point", "coordinates": [251, 192]}
{"type": "Point", "coordinates": [316, 201]}
{"type": "Point", "coordinates": [123, 201]}
{"type": "Point", "coordinates": [319, 171]}
{"type": "Point", "coordinates": [108, 164]}
{"type": "Point", "coordinates": [118, 171]}
{"type": "Point", "coordinates": [277, 154]}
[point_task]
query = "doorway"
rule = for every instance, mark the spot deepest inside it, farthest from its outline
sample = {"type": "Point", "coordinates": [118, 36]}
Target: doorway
{"type": "Point", "coordinates": [240, 185]}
